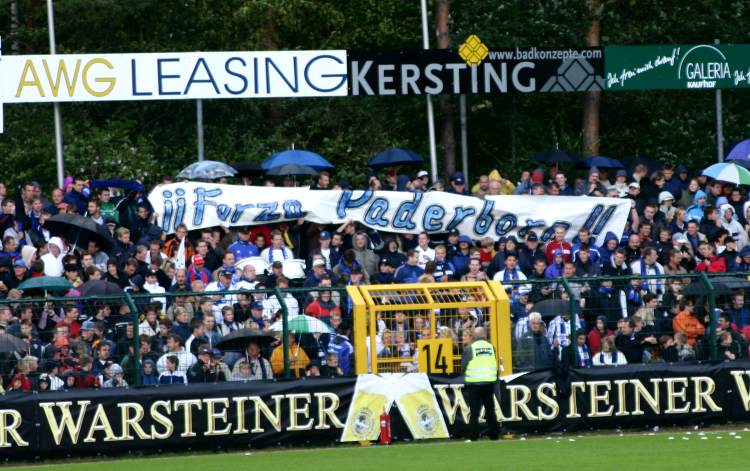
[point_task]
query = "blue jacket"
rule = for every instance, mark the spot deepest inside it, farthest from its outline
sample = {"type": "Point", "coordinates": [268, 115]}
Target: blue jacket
{"type": "Point", "coordinates": [242, 250]}
{"type": "Point", "coordinates": [408, 274]}
{"type": "Point", "coordinates": [695, 212]}
{"type": "Point", "coordinates": [341, 346]}
{"type": "Point", "coordinates": [604, 253]}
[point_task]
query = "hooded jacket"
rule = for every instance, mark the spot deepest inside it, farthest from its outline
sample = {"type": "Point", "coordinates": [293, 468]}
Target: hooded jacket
{"type": "Point", "coordinates": [733, 226]}
{"type": "Point", "coordinates": [604, 253]}
{"type": "Point", "coordinates": [695, 211]}
{"type": "Point", "coordinates": [53, 266]}
{"type": "Point", "coordinates": [366, 257]}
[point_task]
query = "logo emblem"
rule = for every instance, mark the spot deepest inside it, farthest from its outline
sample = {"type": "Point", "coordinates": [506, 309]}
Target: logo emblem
{"type": "Point", "coordinates": [363, 425]}
{"type": "Point", "coordinates": [473, 51]}
{"type": "Point", "coordinates": [427, 420]}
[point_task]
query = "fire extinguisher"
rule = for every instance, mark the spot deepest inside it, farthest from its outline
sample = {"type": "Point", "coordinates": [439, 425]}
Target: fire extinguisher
{"type": "Point", "coordinates": [385, 428]}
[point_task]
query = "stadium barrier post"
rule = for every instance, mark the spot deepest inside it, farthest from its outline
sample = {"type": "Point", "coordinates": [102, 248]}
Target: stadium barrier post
{"type": "Point", "coordinates": [573, 313]}
{"type": "Point", "coordinates": [711, 291]}
{"type": "Point", "coordinates": [136, 338]}
{"type": "Point", "coordinates": [284, 329]}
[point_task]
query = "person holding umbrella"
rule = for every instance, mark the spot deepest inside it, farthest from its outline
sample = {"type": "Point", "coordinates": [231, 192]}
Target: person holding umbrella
{"type": "Point", "coordinates": [260, 368]}
{"type": "Point", "coordinates": [298, 359]}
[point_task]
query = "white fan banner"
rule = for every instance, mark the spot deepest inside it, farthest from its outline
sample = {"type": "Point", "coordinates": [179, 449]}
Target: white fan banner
{"type": "Point", "coordinates": [200, 205]}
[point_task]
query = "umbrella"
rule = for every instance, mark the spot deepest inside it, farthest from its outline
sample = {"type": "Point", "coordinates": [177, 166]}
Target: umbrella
{"type": "Point", "coordinates": [207, 170]}
{"type": "Point", "coordinates": [79, 230]}
{"type": "Point", "coordinates": [46, 283]}
{"type": "Point", "coordinates": [301, 157]}
{"type": "Point", "coordinates": [292, 169]}
{"type": "Point", "coordinates": [728, 172]}
{"type": "Point", "coordinates": [552, 156]}
{"type": "Point", "coordinates": [552, 307]}
{"type": "Point", "coordinates": [395, 156]}
{"type": "Point", "coordinates": [303, 324]}
{"type": "Point", "coordinates": [10, 343]}
{"type": "Point", "coordinates": [238, 340]}
{"type": "Point", "coordinates": [599, 161]}
{"type": "Point", "coordinates": [723, 285]}
{"type": "Point", "coordinates": [99, 288]}
{"type": "Point", "coordinates": [741, 151]}
{"type": "Point", "coordinates": [247, 169]}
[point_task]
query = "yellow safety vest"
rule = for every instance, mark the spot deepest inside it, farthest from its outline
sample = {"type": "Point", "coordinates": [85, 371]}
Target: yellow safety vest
{"type": "Point", "coordinates": [483, 366]}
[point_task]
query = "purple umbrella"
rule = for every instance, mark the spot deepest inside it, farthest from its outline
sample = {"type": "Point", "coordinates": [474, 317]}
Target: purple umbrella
{"type": "Point", "coordinates": [741, 151]}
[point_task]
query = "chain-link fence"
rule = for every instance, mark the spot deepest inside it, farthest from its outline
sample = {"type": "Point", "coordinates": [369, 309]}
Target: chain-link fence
{"type": "Point", "coordinates": [605, 320]}
{"type": "Point", "coordinates": [178, 338]}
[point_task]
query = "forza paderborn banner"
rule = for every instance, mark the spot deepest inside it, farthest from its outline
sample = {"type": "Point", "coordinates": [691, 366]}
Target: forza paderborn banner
{"type": "Point", "coordinates": [201, 205]}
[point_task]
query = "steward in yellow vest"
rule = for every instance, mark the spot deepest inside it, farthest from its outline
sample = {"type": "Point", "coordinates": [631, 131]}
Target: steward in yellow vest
{"type": "Point", "coordinates": [480, 369]}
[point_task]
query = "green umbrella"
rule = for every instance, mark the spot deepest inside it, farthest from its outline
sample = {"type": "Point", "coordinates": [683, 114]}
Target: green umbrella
{"type": "Point", "coordinates": [303, 324]}
{"type": "Point", "coordinates": [46, 283]}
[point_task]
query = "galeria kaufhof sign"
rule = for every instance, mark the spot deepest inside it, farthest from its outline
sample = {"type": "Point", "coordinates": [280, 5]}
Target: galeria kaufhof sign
{"type": "Point", "coordinates": [326, 411]}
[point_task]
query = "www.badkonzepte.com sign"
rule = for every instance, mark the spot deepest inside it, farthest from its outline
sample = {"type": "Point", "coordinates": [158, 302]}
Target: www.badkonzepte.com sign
{"type": "Point", "coordinates": [702, 66]}
{"type": "Point", "coordinates": [326, 411]}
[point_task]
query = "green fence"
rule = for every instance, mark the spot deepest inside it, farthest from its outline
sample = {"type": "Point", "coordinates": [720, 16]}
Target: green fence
{"type": "Point", "coordinates": [652, 302]}
{"type": "Point", "coordinates": [128, 320]}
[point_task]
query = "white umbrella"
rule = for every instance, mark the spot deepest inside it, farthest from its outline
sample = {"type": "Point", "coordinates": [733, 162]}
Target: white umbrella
{"type": "Point", "coordinates": [303, 324]}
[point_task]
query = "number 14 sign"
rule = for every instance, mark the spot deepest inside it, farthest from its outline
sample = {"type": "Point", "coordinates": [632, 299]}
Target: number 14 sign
{"type": "Point", "coordinates": [435, 356]}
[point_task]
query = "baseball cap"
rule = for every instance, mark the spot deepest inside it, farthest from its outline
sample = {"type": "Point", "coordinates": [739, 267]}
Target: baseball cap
{"type": "Point", "coordinates": [225, 273]}
{"type": "Point", "coordinates": [19, 263]}
{"type": "Point", "coordinates": [634, 185]}
{"type": "Point", "coordinates": [532, 236]}
{"type": "Point", "coordinates": [198, 259]}
{"type": "Point", "coordinates": [204, 351]}
{"type": "Point", "coordinates": [216, 353]}
{"type": "Point", "coordinates": [256, 305]}
{"type": "Point", "coordinates": [422, 173]}
{"type": "Point", "coordinates": [458, 178]}
{"type": "Point", "coordinates": [152, 272]}
{"type": "Point", "coordinates": [325, 235]}
{"type": "Point", "coordinates": [465, 238]}
{"type": "Point", "coordinates": [318, 262]}
{"type": "Point", "coordinates": [454, 232]}
{"type": "Point", "coordinates": [621, 173]}
{"type": "Point", "coordinates": [88, 325]}
{"type": "Point", "coordinates": [115, 369]}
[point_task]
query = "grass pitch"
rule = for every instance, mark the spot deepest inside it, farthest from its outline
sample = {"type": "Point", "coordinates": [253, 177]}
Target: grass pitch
{"type": "Point", "coordinates": [664, 451]}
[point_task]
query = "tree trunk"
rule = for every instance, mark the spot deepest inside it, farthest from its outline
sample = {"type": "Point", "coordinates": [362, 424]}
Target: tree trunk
{"type": "Point", "coordinates": [445, 102]}
{"type": "Point", "coordinates": [592, 99]}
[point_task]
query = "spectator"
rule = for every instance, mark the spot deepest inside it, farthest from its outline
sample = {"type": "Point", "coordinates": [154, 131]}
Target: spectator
{"type": "Point", "coordinates": [208, 368]}
{"type": "Point", "coordinates": [581, 349]}
{"type": "Point", "coordinates": [116, 378]}
{"type": "Point", "coordinates": [609, 355]}
{"type": "Point", "coordinates": [686, 323]}
{"type": "Point", "coordinates": [172, 374]}
{"type": "Point", "coordinates": [558, 242]}
{"type": "Point", "coordinates": [298, 359]}
{"type": "Point", "coordinates": [258, 367]}
{"type": "Point", "coordinates": [410, 271]}
{"type": "Point", "coordinates": [175, 349]}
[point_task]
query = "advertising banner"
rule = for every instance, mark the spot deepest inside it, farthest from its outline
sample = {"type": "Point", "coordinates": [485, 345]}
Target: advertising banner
{"type": "Point", "coordinates": [172, 76]}
{"type": "Point", "coordinates": [326, 411]}
{"type": "Point", "coordinates": [200, 205]}
{"type": "Point", "coordinates": [475, 69]}
{"type": "Point", "coordinates": [702, 66]}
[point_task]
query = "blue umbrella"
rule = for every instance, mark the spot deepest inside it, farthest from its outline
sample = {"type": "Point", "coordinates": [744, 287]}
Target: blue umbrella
{"type": "Point", "coordinates": [292, 169]}
{"type": "Point", "coordinates": [300, 157]}
{"type": "Point", "coordinates": [207, 170]}
{"type": "Point", "coordinates": [395, 156]}
{"type": "Point", "coordinates": [741, 151]}
{"type": "Point", "coordinates": [600, 161]}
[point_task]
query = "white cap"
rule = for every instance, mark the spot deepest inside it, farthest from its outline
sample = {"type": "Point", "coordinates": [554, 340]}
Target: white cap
{"type": "Point", "coordinates": [422, 173]}
{"type": "Point", "coordinates": [634, 185]}
{"type": "Point", "coordinates": [664, 196]}
{"type": "Point", "coordinates": [318, 262]}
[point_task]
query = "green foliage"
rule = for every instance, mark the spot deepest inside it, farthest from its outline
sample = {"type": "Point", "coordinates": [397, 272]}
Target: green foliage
{"type": "Point", "coordinates": [149, 139]}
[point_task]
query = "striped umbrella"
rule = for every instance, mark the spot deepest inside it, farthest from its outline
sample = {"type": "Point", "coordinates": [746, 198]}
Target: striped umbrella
{"type": "Point", "coordinates": [303, 324]}
{"type": "Point", "coordinates": [728, 172]}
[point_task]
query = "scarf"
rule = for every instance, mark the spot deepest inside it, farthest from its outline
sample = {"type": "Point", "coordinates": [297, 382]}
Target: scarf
{"type": "Point", "coordinates": [270, 254]}
{"type": "Point", "coordinates": [606, 290]}
{"type": "Point", "coordinates": [180, 261]}
{"type": "Point", "coordinates": [657, 282]}
{"type": "Point", "coordinates": [510, 274]}
{"type": "Point", "coordinates": [634, 296]}
{"type": "Point", "coordinates": [613, 358]}
{"type": "Point", "coordinates": [261, 364]}
{"type": "Point", "coordinates": [582, 354]}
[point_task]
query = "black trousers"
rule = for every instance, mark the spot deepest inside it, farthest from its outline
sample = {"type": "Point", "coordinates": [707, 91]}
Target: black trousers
{"type": "Point", "coordinates": [482, 394]}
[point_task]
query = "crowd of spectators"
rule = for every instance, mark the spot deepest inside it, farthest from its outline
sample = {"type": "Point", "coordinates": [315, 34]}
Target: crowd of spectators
{"type": "Point", "coordinates": [676, 225]}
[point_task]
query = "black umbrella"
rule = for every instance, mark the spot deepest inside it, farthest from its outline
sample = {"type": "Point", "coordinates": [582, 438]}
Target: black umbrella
{"type": "Point", "coordinates": [247, 169]}
{"type": "Point", "coordinates": [292, 169]}
{"type": "Point", "coordinates": [552, 156]}
{"type": "Point", "coordinates": [10, 343]}
{"type": "Point", "coordinates": [238, 340]}
{"type": "Point", "coordinates": [99, 288]}
{"type": "Point", "coordinates": [393, 157]}
{"type": "Point", "coordinates": [723, 285]}
{"type": "Point", "coordinates": [79, 230]}
{"type": "Point", "coordinates": [552, 307]}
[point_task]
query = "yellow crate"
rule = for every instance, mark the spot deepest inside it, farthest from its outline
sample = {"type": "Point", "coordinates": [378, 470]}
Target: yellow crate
{"type": "Point", "coordinates": [400, 315]}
